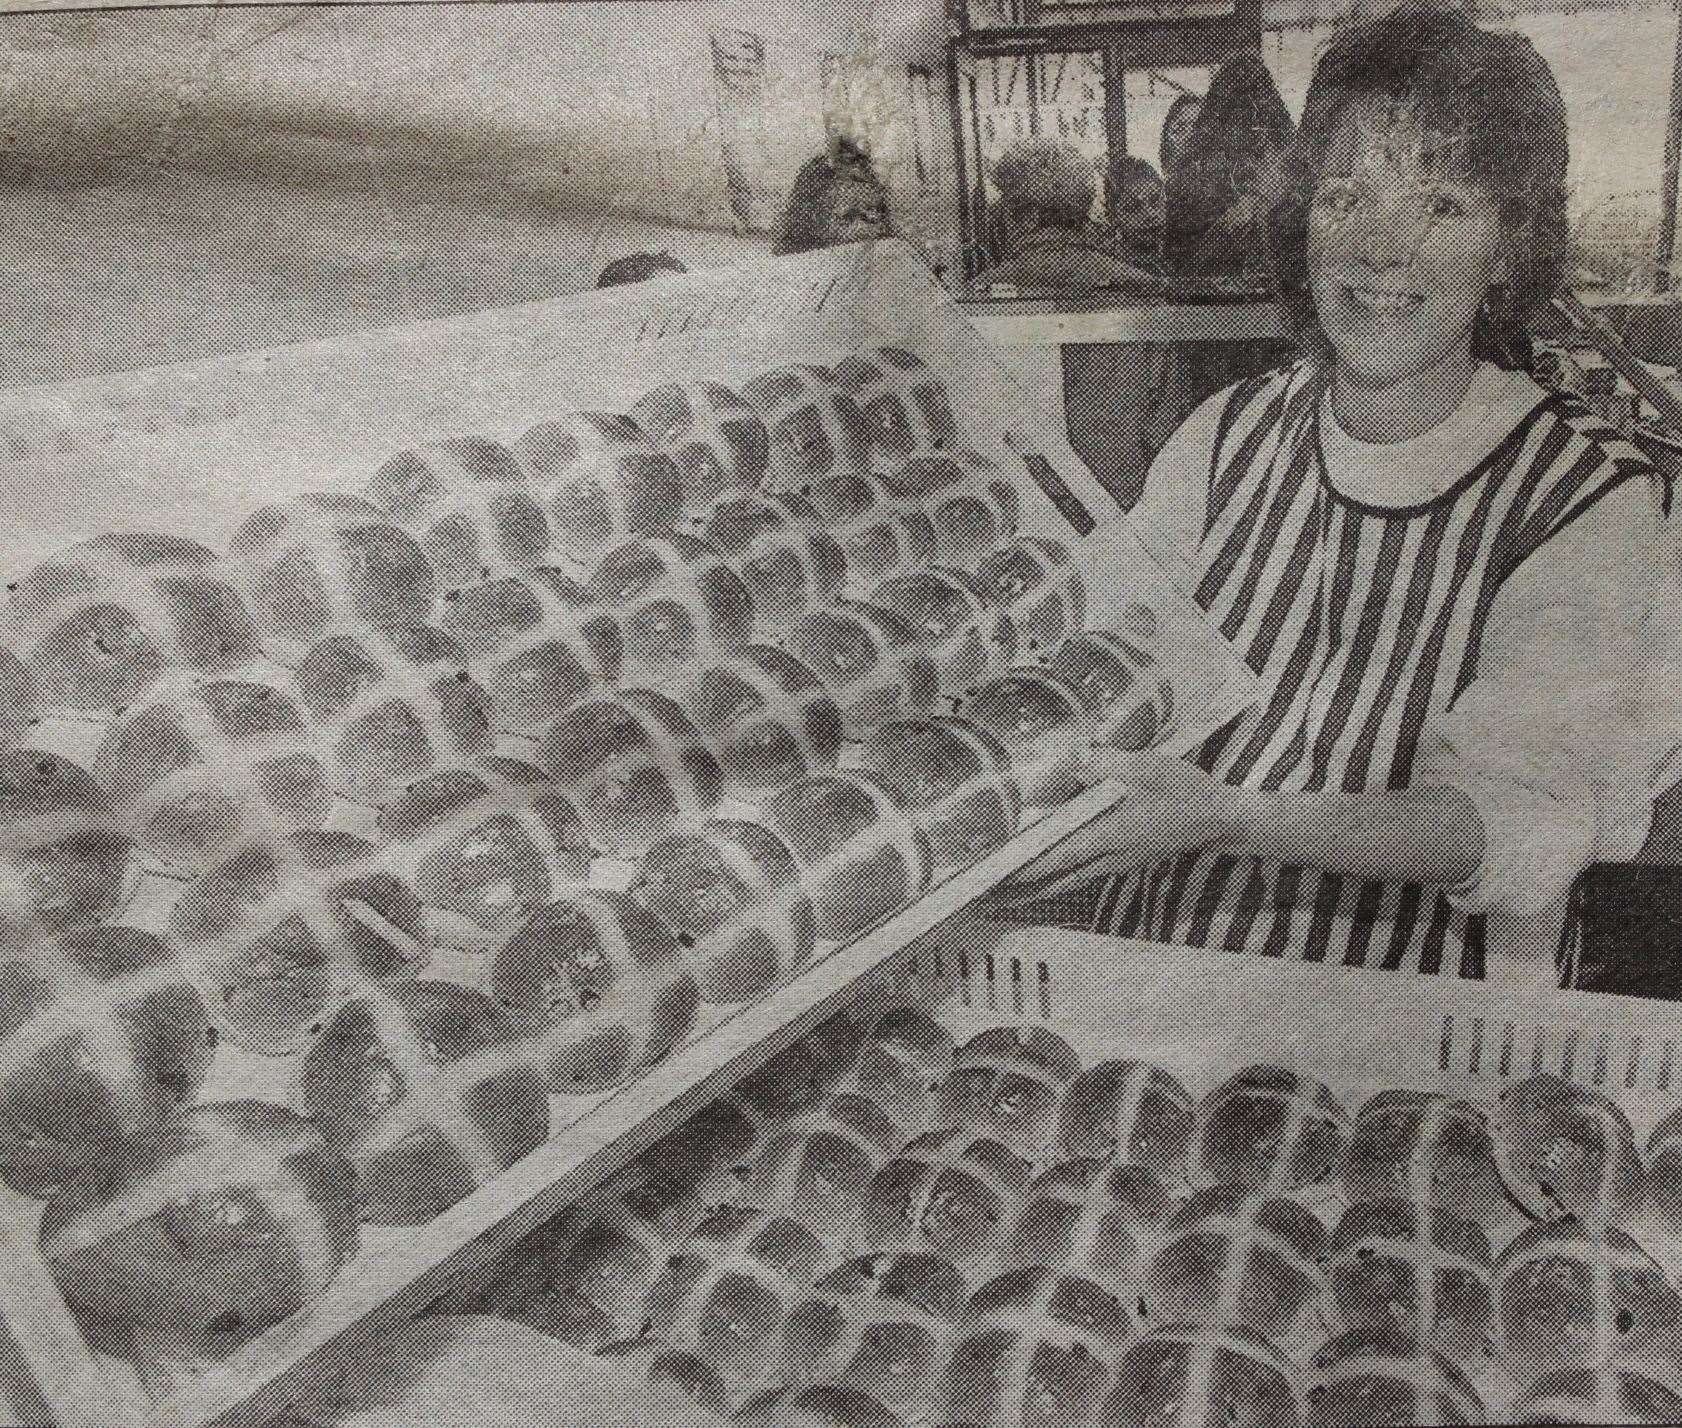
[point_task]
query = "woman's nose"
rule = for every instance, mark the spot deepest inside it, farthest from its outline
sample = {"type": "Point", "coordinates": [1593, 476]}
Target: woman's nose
{"type": "Point", "coordinates": [1388, 233]}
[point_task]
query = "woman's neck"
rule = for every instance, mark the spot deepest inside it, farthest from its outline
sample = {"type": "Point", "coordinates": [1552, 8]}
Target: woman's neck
{"type": "Point", "coordinates": [1399, 410]}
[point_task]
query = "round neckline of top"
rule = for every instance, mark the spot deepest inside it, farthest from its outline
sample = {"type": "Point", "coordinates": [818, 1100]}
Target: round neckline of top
{"type": "Point", "coordinates": [1417, 508]}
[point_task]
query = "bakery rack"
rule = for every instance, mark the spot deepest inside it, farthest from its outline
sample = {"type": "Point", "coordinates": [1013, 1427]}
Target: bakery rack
{"type": "Point", "coordinates": [195, 448]}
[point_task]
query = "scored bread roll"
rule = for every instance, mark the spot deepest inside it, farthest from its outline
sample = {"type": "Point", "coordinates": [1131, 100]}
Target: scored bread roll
{"type": "Point", "coordinates": [1009, 1083]}
{"type": "Point", "coordinates": [821, 1167]}
{"type": "Point", "coordinates": [903, 1063]}
{"type": "Point", "coordinates": [1270, 1129]}
{"type": "Point", "coordinates": [1189, 1376]}
{"type": "Point", "coordinates": [1129, 1111]}
{"type": "Point", "coordinates": [1565, 1149]}
{"type": "Point", "coordinates": [948, 1192]}
{"type": "Point", "coordinates": [1365, 1381]}
{"type": "Point", "coordinates": [1430, 1150]}
{"type": "Point", "coordinates": [1092, 1219]}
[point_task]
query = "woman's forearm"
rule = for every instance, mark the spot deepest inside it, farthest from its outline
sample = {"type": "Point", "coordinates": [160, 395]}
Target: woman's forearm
{"type": "Point", "coordinates": [1414, 835]}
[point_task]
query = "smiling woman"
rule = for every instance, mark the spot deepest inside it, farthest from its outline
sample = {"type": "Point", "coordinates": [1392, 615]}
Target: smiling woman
{"type": "Point", "coordinates": [1445, 578]}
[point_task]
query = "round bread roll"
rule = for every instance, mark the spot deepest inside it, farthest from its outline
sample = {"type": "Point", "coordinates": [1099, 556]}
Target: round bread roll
{"type": "Point", "coordinates": [725, 1296]}
{"type": "Point", "coordinates": [1230, 1256]}
{"type": "Point", "coordinates": [883, 1324]}
{"type": "Point", "coordinates": [1009, 1083]}
{"type": "Point", "coordinates": [709, 1155]}
{"type": "Point", "coordinates": [1269, 1129]}
{"type": "Point", "coordinates": [677, 601]}
{"type": "Point", "coordinates": [1399, 1267]}
{"type": "Point", "coordinates": [203, 766]}
{"type": "Point", "coordinates": [66, 858]}
{"type": "Point", "coordinates": [1597, 1395]}
{"type": "Point", "coordinates": [767, 718]}
{"type": "Point", "coordinates": [1130, 702]}
{"type": "Point", "coordinates": [391, 705]}
{"type": "Point", "coordinates": [327, 558]}
{"type": "Point", "coordinates": [956, 779]}
{"type": "Point", "coordinates": [801, 1076]}
{"type": "Point", "coordinates": [1564, 1149]}
{"type": "Point", "coordinates": [1370, 1381]}
{"type": "Point", "coordinates": [1091, 1219]}
{"type": "Point", "coordinates": [1570, 1296]}
{"type": "Point", "coordinates": [422, 1085]}
{"type": "Point", "coordinates": [735, 899]}
{"type": "Point", "coordinates": [923, 474]}
{"type": "Point", "coordinates": [905, 1060]}
{"type": "Point", "coordinates": [1187, 1376]}
{"type": "Point", "coordinates": [1040, 1349]}
{"type": "Point", "coordinates": [815, 428]}
{"type": "Point", "coordinates": [468, 503]}
{"type": "Point", "coordinates": [634, 766]}
{"type": "Point", "coordinates": [228, 1218]}
{"type": "Point", "coordinates": [1035, 580]}
{"type": "Point", "coordinates": [1129, 1111]}
{"type": "Point", "coordinates": [485, 847]}
{"type": "Point", "coordinates": [968, 638]}
{"type": "Point", "coordinates": [821, 1167]}
{"type": "Point", "coordinates": [880, 534]}
{"type": "Point", "coordinates": [1664, 1173]}
{"type": "Point", "coordinates": [600, 480]}
{"type": "Point", "coordinates": [948, 1192]}
{"type": "Point", "coordinates": [282, 931]}
{"type": "Point", "coordinates": [534, 645]}
{"type": "Point", "coordinates": [862, 855]}
{"type": "Point", "coordinates": [973, 520]}
{"type": "Point", "coordinates": [869, 660]}
{"type": "Point", "coordinates": [718, 441]}
{"type": "Point", "coordinates": [1428, 1149]}
{"type": "Point", "coordinates": [780, 547]}
{"type": "Point", "coordinates": [599, 989]}
{"type": "Point", "coordinates": [1043, 726]}
{"type": "Point", "coordinates": [905, 405]}
{"type": "Point", "coordinates": [94, 625]}
{"type": "Point", "coordinates": [102, 1035]}
{"type": "Point", "coordinates": [818, 1405]}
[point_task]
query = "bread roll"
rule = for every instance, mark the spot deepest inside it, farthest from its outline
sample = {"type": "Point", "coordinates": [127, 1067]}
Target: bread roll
{"type": "Point", "coordinates": [1565, 1149]}
{"type": "Point", "coordinates": [1129, 1111]}
{"type": "Point", "coordinates": [1009, 1083]}
{"type": "Point", "coordinates": [1364, 1381]}
{"type": "Point", "coordinates": [1269, 1129]}
{"type": "Point", "coordinates": [1187, 1376]}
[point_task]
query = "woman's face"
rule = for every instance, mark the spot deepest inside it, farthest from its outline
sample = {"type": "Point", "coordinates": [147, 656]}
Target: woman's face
{"type": "Point", "coordinates": [1400, 254]}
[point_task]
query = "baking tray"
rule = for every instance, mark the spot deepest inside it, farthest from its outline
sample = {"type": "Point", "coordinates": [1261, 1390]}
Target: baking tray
{"type": "Point", "coordinates": [197, 447]}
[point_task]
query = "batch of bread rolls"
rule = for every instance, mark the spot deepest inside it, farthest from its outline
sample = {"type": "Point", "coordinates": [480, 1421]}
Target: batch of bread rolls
{"type": "Point", "coordinates": [627, 718]}
{"type": "Point", "coordinates": [886, 1228]}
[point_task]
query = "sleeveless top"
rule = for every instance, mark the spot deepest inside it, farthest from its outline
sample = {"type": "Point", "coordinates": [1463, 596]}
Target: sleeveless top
{"type": "Point", "coordinates": [1364, 623]}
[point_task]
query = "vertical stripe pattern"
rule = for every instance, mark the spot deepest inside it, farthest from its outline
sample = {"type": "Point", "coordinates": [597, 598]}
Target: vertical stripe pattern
{"type": "Point", "coordinates": [1364, 624]}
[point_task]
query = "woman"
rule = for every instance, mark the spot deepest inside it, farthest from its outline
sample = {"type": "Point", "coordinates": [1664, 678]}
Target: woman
{"type": "Point", "coordinates": [1444, 578]}
{"type": "Point", "coordinates": [836, 198]}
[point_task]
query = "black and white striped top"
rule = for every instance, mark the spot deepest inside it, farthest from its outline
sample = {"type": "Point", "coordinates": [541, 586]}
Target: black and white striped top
{"type": "Point", "coordinates": [1364, 623]}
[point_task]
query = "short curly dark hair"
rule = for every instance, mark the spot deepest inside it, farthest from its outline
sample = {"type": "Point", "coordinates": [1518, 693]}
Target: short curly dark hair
{"type": "Point", "coordinates": [1489, 89]}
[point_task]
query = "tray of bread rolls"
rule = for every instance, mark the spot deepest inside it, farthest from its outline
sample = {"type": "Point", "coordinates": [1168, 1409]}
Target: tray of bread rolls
{"type": "Point", "coordinates": [430, 760]}
{"type": "Point", "coordinates": [1081, 1182]}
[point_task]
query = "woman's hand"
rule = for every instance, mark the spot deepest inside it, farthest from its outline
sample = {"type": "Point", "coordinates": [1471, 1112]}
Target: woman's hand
{"type": "Point", "coordinates": [1171, 807]}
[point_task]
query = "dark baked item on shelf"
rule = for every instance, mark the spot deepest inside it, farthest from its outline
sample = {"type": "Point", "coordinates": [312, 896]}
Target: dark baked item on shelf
{"type": "Point", "coordinates": [905, 404]}
{"type": "Point", "coordinates": [600, 480]}
{"type": "Point", "coordinates": [767, 718]}
{"type": "Point", "coordinates": [1130, 701]}
{"type": "Point", "coordinates": [1270, 1129]}
{"type": "Point", "coordinates": [467, 500]}
{"type": "Point", "coordinates": [1565, 1149]}
{"type": "Point", "coordinates": [868, 658]}
{"type": "Point", "coordinates": [1189, 1376]}
{"type": "Point", "coordinates": [781, 548]}
{"type": "Point", "coordinates": [96, 623]}
{"type": "Point", "coordinates": [948, 1192]}
{"type": "Point", "coordinates": [326, 558]}
{"type": "Point", "coordinates": [1091, 1218]}
{"type": "Point", "coordinates": [1397, 1266]}
{"type": "Point", "coordinates": [1429, 1149]}
{"type": "Point", "coordinates": [1043, 726]}
{"type": "Point", "coordinates": [862, 854]}
{"type": "Point", "coordinates": [635, 767]}
{"type": "Point", "coordinates": [1035, 579]}
{"type": "Point", "coordinates": [718, 441]}
{"type": "Point", "coordinates": [821, 1166]}
{"type": "Point", "coordinates": [1232, 1256]}
{"type": "Point", "coordinates": [1040, 1349]}
{"type": "Point", "coordinates": [881, 534]}
{"type": "Point", "coordinates": [972, 520]}
{"type": "Point", "coordinates": [535, 645]}
{"type": "Point", "coordinates": [1597, 1395]}
{"type": "Point", "coordinates": [1129, 1111]}
{"type": "Point", "coordinates": [102, 1035]}
{"type": "Point", "coordinates": [905, 1059]}
{"type": "Point", "coordinates": [736, 901]}
{"type": "Point", "coordinates": [955, 620]}
{"type": "Point", "coordinates": [956, 779]}
{"type": "Point", "coordinates": [597, 988]}
{"type": "Point", "coordinates": [816, 428]}
{"type": "Point", "coordinates": [1008, 1083]}
{"type": "Point", "coordinates": [422, 1086]}
{"type": "Point", "coordinates": [1570, 1295]}
{"type": "Point", "coordinates": [67, 857]}
{"type": "Point", "coordinates": [1364, 1380]}
{"type": "Point", "coordinates": [676, 600]}
{"type": "Point", "coordinates": [226, 1219]}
